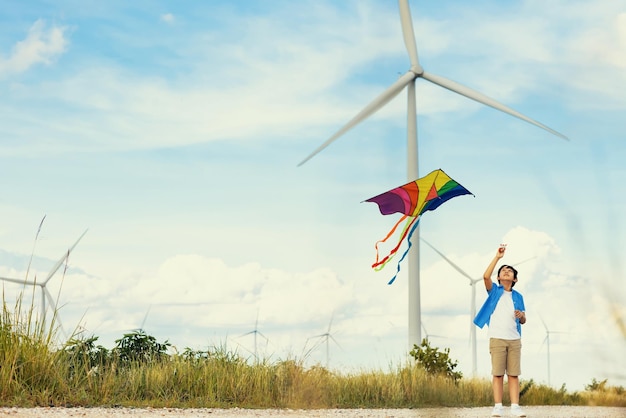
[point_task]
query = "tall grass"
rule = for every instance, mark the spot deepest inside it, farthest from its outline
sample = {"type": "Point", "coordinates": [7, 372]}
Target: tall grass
{"type": "Point", "coordinates": [34, 372]}
{"type": "Point", "coordinates": [25, 360]}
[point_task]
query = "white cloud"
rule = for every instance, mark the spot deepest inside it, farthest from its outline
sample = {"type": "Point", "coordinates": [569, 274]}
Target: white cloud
{"type": "Point", "coordinates": [41, 46]}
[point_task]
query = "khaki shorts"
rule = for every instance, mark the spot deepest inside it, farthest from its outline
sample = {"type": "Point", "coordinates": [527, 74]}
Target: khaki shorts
{"type": "Point", "coordinates": [505, 357]}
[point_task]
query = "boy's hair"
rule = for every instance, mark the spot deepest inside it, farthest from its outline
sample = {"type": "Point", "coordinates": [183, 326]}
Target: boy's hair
{"type": "Point", "coordinates": [512, 268]}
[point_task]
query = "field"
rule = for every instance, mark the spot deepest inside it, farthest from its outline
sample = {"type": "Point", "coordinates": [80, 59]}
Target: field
{"type": "Point", "coordinates": [140, 373]}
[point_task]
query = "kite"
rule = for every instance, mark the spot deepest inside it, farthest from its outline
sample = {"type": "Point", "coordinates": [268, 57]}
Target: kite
{"type": "Point", "coordinates": [412, 200]}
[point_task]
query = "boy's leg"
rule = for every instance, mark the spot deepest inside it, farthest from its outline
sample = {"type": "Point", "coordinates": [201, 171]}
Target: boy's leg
{"type": "Point", "coordinates": [514, 369]}
{"type": "Point", "coordinates": [516, 411]}
{"type": "Point", "coordinates": [498, 388]}
{"type": "Point", "coordinates": [513, 382]}
{"type": "Point", "coordinates": [497, 349]}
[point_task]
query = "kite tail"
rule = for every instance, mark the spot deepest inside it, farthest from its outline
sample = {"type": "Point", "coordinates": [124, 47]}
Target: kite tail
{"type": "Point", "coordinates": [413, 228]}
{"type": "Point", "coordinates": [380, 264]}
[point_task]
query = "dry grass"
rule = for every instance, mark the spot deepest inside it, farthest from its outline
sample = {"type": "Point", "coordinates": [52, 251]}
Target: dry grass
{"type": "Point", "coordinates": [35, 373]}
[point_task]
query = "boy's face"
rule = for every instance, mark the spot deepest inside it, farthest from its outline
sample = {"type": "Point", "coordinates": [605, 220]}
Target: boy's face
{"type": "Point", "coordinates": [507, 275]}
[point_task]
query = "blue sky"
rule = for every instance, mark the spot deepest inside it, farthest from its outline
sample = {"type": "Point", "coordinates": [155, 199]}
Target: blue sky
{"type": "Point", "coordinates": [173, 131]}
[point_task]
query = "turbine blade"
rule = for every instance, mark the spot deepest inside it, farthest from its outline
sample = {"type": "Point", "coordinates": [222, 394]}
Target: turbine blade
{"type": "Point", "coordinates": [370, 109]}
{"type": "Point", "coordinates": [18, 281]}
{"type": "Point", "coordinates": [409, 35]}
{"type": "Point", "coordinates": [53, 307]}
{"type": "Point", "coordinates": [481, 98]}
{"type": "Point", "coordinates": [335, 341]}
{"type": "Point", "coordinates": [62, 260]}
{"type": "Point", "coordinates": [145, 318]}
{"type": "Point", "coordinates": [523, 261]}
{"type": "Point", "coordinates": [457, 268]}
{"type": "Point", "coordinates": [317, 343]}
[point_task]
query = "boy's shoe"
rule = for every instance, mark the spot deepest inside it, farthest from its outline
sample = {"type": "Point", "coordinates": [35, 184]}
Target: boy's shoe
{"type": "Point", "coordinates": [497, 411]}
{"type": "Point", "coordinates": [516, 411]}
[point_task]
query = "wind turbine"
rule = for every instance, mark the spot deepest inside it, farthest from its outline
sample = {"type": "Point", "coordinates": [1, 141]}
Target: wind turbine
{"type": "Point", "coordinates": [547, 342]}
{"type": "Point", "coordinates": [473, 282]}
{"type": "Point", "coordinates": [255, 332]}
{"type": "Point", "coordinates": [408, 80]}
{"type": "Point", "coordinates": [42, 284]}
{"type": "Point", "coordinates": [325, 338]}
{"type": "Point", "coordinates": [427, 335]}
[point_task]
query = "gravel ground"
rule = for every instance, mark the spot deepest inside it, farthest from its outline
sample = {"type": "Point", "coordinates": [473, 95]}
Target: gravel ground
{"type": "Point", "coordinates": [531, 411]}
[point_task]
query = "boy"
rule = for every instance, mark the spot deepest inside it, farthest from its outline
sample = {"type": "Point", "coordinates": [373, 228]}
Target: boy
{"type": "Point", "coordinates": [504, 312]}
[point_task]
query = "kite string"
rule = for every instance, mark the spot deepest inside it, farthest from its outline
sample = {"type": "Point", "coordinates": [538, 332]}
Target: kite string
{"type": "Point", "coordinates": [413, 228]}
{"type": "Point", "coordinates": [380, 264]}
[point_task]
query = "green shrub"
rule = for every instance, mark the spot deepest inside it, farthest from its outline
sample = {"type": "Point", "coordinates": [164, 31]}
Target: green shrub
{"type": "Point", "coordinates": [137, 346]}
{"type": "Point", "coordinates": [435, 362]}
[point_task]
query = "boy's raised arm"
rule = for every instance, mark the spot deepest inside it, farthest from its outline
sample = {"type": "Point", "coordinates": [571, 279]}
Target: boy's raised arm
{"type": "Point", "coordinates": [491, 267]}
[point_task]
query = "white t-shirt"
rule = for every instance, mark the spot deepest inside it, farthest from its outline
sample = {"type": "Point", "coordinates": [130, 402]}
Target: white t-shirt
{"type": "Point", "coordinates": [502, 323]}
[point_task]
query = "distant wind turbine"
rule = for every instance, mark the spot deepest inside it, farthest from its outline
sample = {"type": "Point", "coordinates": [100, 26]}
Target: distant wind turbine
{"type": "Point", "coordinates": [326, 337]}
{"type": "Point", "coordinates": [45, 293]}
{"type": "Point", "coordinates": [427, 335]}
{"type": "Point", "coordinates": [473, 282]}
{"type": "Point", "coordinates": [408, 80]}
{"type": "Point", "coordinates": [547, 342]}
{"type": "Point", "coordinates": [255, 332]}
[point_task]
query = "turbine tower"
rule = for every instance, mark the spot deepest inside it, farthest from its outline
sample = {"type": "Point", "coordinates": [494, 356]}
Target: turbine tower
{"type": "Point", "coordinates": [408, 81]}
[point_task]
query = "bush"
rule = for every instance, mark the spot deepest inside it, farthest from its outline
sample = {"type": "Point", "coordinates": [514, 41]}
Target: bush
{"type": "Point", "coordinates": [140, 347]}
{"type": "Point", "coordinates": [596, 386]}
{"type": "Point", "coordinates": [83, 354]}
{"type": "Point", "coordinates": [435, 362]}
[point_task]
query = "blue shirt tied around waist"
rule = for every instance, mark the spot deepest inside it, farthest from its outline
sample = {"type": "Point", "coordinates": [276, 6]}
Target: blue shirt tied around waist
{"type": "Point", "coordinates": [484, 315]}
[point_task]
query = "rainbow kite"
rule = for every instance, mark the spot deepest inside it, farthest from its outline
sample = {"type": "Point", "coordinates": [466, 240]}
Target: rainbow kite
{"type": "Point", "coordinates": [412, 200]}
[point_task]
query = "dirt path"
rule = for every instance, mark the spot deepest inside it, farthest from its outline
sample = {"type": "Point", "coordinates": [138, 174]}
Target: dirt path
{"type": "Point", "coordinates": [532, 411]}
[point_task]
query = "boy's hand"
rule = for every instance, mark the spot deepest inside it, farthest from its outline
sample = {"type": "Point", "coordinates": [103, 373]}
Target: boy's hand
{"type": "Point", "coordinates": [501, 251]}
